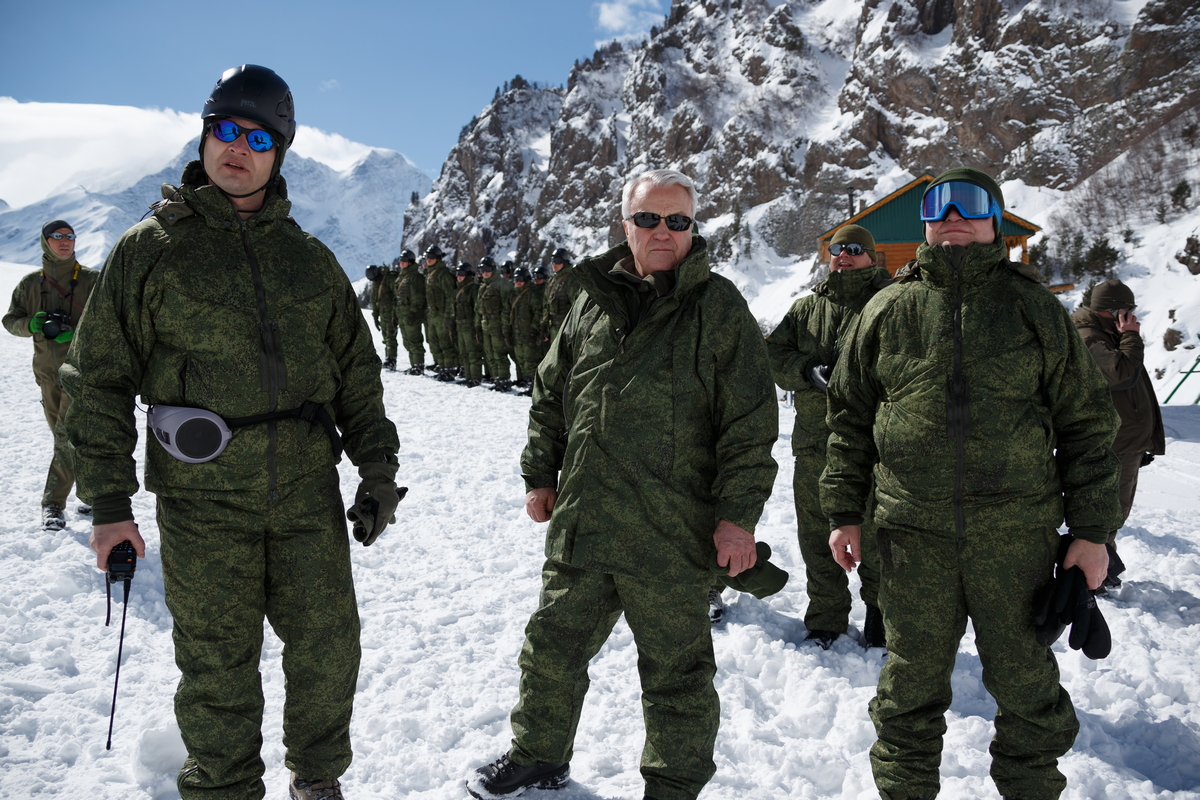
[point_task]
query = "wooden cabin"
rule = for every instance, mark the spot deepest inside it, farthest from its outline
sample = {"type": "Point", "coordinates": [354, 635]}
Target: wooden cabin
{"type": "Point", "coordinates": [895, 222]}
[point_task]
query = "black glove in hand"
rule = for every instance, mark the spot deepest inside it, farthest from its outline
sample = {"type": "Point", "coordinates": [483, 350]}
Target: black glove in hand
{"type": "Point", "coordinates": [818, 376]}
{"type": "Point", "coordinates": [375, 502]}
{"type": "Point", "coordinates": [1089, 631]}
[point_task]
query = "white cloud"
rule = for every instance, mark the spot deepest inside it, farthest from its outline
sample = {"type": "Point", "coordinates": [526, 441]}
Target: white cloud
{"type": "Point", "coordinates": [329, 85]}
{"type": "Point", "coordinates": [625, 19]}
{"type": "Point", "coordinates": [331, 149]}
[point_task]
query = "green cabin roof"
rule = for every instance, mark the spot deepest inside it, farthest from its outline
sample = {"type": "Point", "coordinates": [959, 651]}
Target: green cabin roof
{"type": "Point", "coordinates": [897, 217]}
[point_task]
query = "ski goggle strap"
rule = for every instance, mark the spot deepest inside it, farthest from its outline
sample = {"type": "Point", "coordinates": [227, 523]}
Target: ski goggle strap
{"type": "Point", "coordinates": [972, 202]}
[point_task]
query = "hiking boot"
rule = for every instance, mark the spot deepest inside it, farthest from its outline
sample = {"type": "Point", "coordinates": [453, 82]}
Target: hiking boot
{"type": "Point", "coordinates": [823, 638]}
{"type": "Point", "coordinates": [53, 519]}
{"type": "Point", "coordinates": [300, 789]}
{"type": "Point", "coordinates": [471, 384]}
{"type": "Point", "coordinates": [83, 509]}
{"type": "Point", "coordinates": [446, 375]}
{"type": "Point", "coordinates": [416, 369]}
{"type": "Point", "coordinates": [502, 385]}
{"type": "Point", "coordinates": [716, 605]}
{"type": "Point", "coordinates": [505, 778]}
{"type": "Point", "coordinates": [390, 364]}
{"type": "Point", "coordinates": [873, 635]}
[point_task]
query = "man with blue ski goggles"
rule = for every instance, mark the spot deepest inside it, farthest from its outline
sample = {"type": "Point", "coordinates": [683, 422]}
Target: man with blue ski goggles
{"type": "Point", "coordinates": [970, 199]}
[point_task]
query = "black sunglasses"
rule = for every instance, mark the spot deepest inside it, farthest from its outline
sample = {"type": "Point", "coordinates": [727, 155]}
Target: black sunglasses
{"type": "Point", "coordinates": [226, 130]}
{"type": "Point", "coordinates": [675, 222]}
{"type": "Point", "coordinates": [852, 249]}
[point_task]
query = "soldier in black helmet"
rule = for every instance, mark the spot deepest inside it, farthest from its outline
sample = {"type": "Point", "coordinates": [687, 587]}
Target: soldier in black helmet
{"type": "Point", "coordinates": [466, 325]}
{"type": "Point", "coordinates": [561, 291]}
{"type": "Point", "coordinates": [383, 311]}
{"type": "Point", "coordinates": [410, 310]}
{"type": "Point", "coordinates": [220, 304]}
{"type": "Point", "coordinates": [492, 310]}
{"type": "Point", "coordinates": [525, 318]}
{"type": "Point", "coordinates": [439, 296]}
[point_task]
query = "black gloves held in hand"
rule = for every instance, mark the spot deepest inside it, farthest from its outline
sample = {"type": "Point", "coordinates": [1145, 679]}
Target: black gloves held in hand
{"type": "Point", "coordinates": [375, 501]}
{"type": "Point", "coordinates": [1067, 600]}
{"type": "Point", "coordinates": [818, 376]}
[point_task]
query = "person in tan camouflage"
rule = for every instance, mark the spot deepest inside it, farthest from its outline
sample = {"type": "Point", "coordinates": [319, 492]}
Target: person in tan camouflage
{"type": "Point", "coordinates": [803, 350]}
{"type": "Point", "coordinates": [966, 404]}
{"type": "Point", "coordinates": [60, 288]}
{"type": "Point", "coordinates": [220, 304]}
{"type": "Point", "coordinates": [410, 310]}
{"type": "Point", "coordinates": [649, 454]}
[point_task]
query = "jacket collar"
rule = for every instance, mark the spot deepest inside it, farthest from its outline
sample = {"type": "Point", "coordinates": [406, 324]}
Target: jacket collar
{"type": "Point", "coordinates": [195, 195]}
{"type": "Point", "coordinates": [607, 291]}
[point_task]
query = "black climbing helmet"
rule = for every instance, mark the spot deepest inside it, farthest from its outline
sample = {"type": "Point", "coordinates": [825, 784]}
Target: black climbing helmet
{"type": "Point", "coordinates": [257, 94]}
{"type": "Point", "coordinates": [433, 251]}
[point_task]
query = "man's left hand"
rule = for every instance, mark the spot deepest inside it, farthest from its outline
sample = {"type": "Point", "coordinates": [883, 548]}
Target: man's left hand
{"type": "Point", "coordinates": [1092, 560]}
{"type": "Point", "coordinates": [735, 547]}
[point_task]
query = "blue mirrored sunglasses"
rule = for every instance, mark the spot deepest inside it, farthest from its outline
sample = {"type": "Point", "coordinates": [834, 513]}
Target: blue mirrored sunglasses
{"type": "Point", "coordinates": [57, 235]}
{"type": "Point", "coordinates": [972, 202]}
{"type": "Point", "coordinates": [226, 130]}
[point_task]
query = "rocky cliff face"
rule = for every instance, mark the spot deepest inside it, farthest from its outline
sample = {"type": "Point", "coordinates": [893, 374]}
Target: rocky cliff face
{"type": "Point", "coordinates": [779, 108]}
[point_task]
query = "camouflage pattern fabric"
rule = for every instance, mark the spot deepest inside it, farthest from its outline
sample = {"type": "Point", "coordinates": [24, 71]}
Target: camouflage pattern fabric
{"type": "Point", "coordinates": [466, 326]}
{"type": "Point", "coordinates": [383, 307]}
{"type": "Point", "coordinates": [439, 297]}
{"type": "Point", "coordinates": [984, 423]}
{"type": "Point", "coordinates": [808, 335]}
{"type": "Point", "coordinates": [561, 291]}
{"type": "Point", "coordinates": [525, 314]}
{"type": "Point", "coordinates": [930, 586]}
{"type": "Point", "coordinates": [494, 312]}
{"type": "Point", "coordinates": [669, 620]}
{"type": "Point", "coordinates": [31, 295]}
{"type": "Point", "coordinates": [226, 563]}
{"type": "Point", "coordinates": [410, 311]}
{"type": "Point", "coordinates": [671, 423]}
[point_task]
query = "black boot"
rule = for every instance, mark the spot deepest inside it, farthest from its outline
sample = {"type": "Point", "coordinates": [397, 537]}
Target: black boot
{"type": "Point", "coordinates": [502, 385]}
{"type": "Point", "coordinates": [505, 777]}
{"type": "Point", "coordinates": [389, 363]}
{"type": "Point", "coordinates": [823, 638]}
{"type": "Point", "coordinates": [873, 635]}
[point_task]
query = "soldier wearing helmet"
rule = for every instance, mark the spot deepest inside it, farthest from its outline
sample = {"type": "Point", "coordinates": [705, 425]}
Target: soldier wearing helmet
{"type": "Point", "coordinates": [410, 310]}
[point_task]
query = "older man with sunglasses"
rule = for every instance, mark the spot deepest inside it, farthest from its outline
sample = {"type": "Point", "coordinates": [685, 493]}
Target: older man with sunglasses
{"type": "Point", "coordinates": [803, 350]}
{"type": "Point", "coordinates": [218, 307]}
{"type": "Point", "coordinates": [966, 403]}
{"type": "Point", "coordinates": [649, 454]}
{"type": "Point", "coordinates": [48, 306]}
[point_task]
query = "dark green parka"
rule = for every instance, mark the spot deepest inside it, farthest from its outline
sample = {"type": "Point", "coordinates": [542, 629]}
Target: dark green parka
{"type": "Point", "coordinates": [440, 286]}
{"type": "Point", "coordinates": [809, 335]}
{"type": "Point", "coordinates": [197, 307]}
{"type": "Point", "coordinates": [1119, 356]}
{"type": "Point", "coordinates": [561, 291]}
{"type": "Point", "coordinates": [967, 389]}
{"type": "Point", "coordinates": [410, 296]}
{"type": "Point", "coordinates": [660, 416]}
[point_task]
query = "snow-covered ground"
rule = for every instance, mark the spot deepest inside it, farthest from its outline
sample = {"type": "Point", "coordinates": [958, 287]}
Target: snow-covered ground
{"type": "Point", "coordinates": [444, 596]}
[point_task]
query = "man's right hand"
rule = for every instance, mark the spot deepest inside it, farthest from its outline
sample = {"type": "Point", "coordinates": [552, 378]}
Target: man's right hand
{"type": "Point", "coordinates": [846, 536]}
{"type": "Point", "coordinates": [1127, 321]}
{"type": "Point", "coordinates": [539, 504]}
{"type": "Point", "coordinates": [105, 537]}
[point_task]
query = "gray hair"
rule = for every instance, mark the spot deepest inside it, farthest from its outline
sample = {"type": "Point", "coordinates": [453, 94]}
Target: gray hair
{"type": "Point", "coordinates": [658, 177]}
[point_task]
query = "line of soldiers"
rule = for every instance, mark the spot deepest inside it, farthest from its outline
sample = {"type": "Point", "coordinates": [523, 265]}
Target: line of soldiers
{"type": "Point", "coordinates": [473, 326]}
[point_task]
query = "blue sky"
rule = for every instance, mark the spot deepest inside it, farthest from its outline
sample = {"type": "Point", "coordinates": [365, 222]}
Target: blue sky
{"type": "Point", "coordinates": [403, 75]}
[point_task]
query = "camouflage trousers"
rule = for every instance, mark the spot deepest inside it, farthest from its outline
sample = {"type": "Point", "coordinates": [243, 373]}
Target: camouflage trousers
{"type": "Point", "coordinates": [387, 326]}
{"type": "Point", "coordinates": [470, 352]}
{"type": "Point", "coordinates": [1131, 464]}
{"type": "Point", "coordinates": [495, 353]}
{"type": "Point", "coordinates": [441, 343]}
{"type": "Point", "coordinates": [226, 565]}
{"type": "Point", "coordinates": [930, 587]}
{"type": "Point", "coordinates": [827, 583]}
{"type": "Point", "coordinates": [528, 352]}
{"type": "Point", "coordinates": [680, 707]}
{"type": "Point", "coordinates": [414, 342]}
{"type": "Point", "coordinates": [61, 475]}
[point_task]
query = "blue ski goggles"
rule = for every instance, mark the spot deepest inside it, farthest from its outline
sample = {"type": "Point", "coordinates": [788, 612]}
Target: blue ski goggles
{"type": "Point", "coordinates": [972, 202]}
{"type": "Point", "coordinates": [227, 130]}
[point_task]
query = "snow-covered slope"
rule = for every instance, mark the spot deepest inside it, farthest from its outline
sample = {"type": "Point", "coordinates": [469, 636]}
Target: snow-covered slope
{"type": "Point", "coordinates": [444, 597]}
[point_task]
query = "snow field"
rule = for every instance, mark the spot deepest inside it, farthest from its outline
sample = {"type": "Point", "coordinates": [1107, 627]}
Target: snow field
{"type": "Point", "coordinates": [444, 596]}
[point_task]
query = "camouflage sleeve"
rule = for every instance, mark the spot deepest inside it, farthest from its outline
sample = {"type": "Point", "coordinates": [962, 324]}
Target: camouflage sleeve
{"type": "Point", "coordinates": [102, 374]}
{"type": "Point", "coordinates": [1085, 426]}
{"type": "Point", "coordinates": [853, 399]}
{"type": "Point", "coordinates": [543, 455]}
{"type": "Point", "coordinates": [789, 355]}
{"type": "Point", "coordinates": [745, 413]}
{"type": "Point", "coordinates": [16, 321]}
{"type": "Point", "coordinates": [367, 433]}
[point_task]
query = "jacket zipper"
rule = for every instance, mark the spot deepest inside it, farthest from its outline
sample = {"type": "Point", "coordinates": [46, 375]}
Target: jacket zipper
{"type": "Point", "coordinates": [267, 331]}
{"type": "Point", "coordinates": [959, 413]}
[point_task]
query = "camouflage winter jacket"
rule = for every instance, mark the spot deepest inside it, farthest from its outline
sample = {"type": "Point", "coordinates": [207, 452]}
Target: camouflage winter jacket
{"type": "Point", "coordinates": [1119, 356]}
{"type": "Point", "coordinates": [525, 314]}
{"type": "Point", "coordinates": [561, 291]}
{"type": "Point", "coordinates": [494, 303]}
{"type": "Point", "coordinates": [654, 420]}
{"type": "Point", "coordinates": [383, 292]}
{"type": "Point", "coordinates": [35, 293]}
{"type": "Point", "coordinates": [410, 295]}
{"type": "Point", "coordinates": [809, 335]}
{"type": "Point", "coordinates": [197, 307]}
{"type": "Point", "coordinates": [967, 389]}
{"type": "Point", "coordinates": [463, 309]}
{"type": "Point", "coordinates": [440, 286]}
